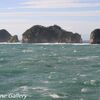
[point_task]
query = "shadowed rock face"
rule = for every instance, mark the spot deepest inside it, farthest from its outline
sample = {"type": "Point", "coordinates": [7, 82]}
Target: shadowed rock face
{"type": "Point", "coordinates": [4, 35]}
{"type": "Point", "coordinates": [14, 39]}
{"type": "Point", "coordinates": [52, 34]}
{"type": "Point", "coordinates": [95, 37]}
{"type": "Point", "coordinates": [76, 38]}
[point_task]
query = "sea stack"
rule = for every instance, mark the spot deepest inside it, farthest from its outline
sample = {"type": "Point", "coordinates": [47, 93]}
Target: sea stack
{"type": "Point", "coordinates": [14, 39]}
{"type": "Point", "coordinates": [95, 37]}
{"type": "Point", "coordinates": [4, 35]}
{"type": "Point", "coordinates": [51, 34]}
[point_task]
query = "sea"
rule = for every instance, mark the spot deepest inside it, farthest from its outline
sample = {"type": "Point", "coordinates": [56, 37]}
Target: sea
{"type": "Point", "coordinates": [49, 71]}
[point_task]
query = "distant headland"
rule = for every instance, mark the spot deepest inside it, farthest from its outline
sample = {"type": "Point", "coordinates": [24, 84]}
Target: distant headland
{"type": "Point", "coordinates": [51, 34]}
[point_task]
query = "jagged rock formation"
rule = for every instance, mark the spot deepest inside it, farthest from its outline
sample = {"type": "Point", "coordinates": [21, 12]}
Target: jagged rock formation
{"type": "Point", "coordinates": [14, 39]}
{"type": "Point", "coordinates": [52, 34]}
{"type": "Point", "coordinates": [95, 37]}
{"type": "Point", "coordinates": [4, 35]}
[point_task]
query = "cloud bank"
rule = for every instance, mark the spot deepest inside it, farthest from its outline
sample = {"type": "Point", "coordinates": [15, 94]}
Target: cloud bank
{"type": "Point", "coordinates": [57, 4]}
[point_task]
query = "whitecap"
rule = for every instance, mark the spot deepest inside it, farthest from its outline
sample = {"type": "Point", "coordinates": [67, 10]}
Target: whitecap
{"type": "Point", "coordinates": [60, 82]}
{"type": "Point", "coordinates": [49, 43]}
{"type": "Point", "coordinates": [86, 82]}
{"type": "Point", "coordinates": [49, 77]}
{"type": "Point", "coordinates": [46, 82]}
{"type": "Point", "coordinates": [81, 44]}
{"type": "Point", "coordinates": [26, 89]}
{"type": "Point", "coordinates": [21, 89]}
{"type": "Point", "coordinates": [83, 58]}
{"type": "Point", "coordinates": [87, 58]}
{"type": "Point", "coordinates": [2, 59]}
{"type": "Point", "coordinates": [98, 71]}
{"type": "Point", "coordinates": [74, 51]}
{"type": "Point", "coordinates": [83, 75]}
{"type": "Point", "coordinates": [52, 72]}
{"type": "Point", "coordinates": [25, 68]}
{"type": "Point", "coordinates": [81, 99]}
{"type": "Point", "coordinates": [54, 96]}
{"type": "Point", "coordinates": [54, 54]}
{"type": "Point", "coordinates": [75, 79]}
{"type": "Point", "coordinates": [27, 51]}
{"type": "Point", "coordinates": [84, 90]}
{"type": "Point", "coordinates": [43, 54]}
{"type": "Point", "coordinates": [92, 82]}
{"type": "Point", "coordinates": [63, 47]}
{"type": "Point", "coordinates": [40, 89]}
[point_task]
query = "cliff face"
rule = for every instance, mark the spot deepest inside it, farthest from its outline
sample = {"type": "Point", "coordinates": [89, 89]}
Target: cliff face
{"type": "Point", "coordinates": [4, 35]}
{"type": "Point", "coordinates": [95, 37]}
{"type": "Point", "coordinates": [52, 34]}
{"type": "Point", "coordinates": [14, 39]}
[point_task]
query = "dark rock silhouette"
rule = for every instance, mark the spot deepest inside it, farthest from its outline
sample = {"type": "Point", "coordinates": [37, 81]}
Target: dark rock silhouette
{"type": "Point", "coordinates": [76, 38]}
{"type": "Point", "coordinates": [95, 37]}
{"type": "Point", "coordinates": [52, 34]}
{"type": "Point", "coordinates": [14, 39]}
{"type": "Point", "coordinates": [4, 35]}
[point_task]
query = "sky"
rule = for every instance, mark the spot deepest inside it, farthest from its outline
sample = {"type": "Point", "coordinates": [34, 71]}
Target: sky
{"type": "Point", "coordinates": [81, 16]}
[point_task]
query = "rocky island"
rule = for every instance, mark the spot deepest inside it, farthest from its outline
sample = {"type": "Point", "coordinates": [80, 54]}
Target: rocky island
{"type": "Point", "coordinates": [5, 36]}
{"type": "Point", "coordinates": [95, 37]}
{"type": "Point", "coordinates": [13, 39]}
{"type": "Point", "coordinates": [51, 34]}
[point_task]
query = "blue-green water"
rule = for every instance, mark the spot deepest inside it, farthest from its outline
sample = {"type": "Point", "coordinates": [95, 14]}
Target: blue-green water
{"type": "Point", "coordinates": [50, 72]}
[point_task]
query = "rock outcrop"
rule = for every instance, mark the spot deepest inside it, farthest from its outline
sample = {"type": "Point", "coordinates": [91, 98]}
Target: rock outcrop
{"type": "Point", "coordinates": [95, 37]}
{"type": "Point", "coordinates": [76, 38]}
{"type": "Point", "coordinates": [14, 39]}
{"type": "Point", "coordinates": [52, 34]}
{"type": "Point", "coordinates": [4, 35]}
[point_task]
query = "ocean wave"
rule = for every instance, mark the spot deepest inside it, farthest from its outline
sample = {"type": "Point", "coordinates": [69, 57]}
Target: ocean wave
{"type": "Point", "coordinates": [58, 43]}
{"type": "Point", "coordinates": [30, 88]}
{"type": "Point", "coordinates": [27, 51]}
{"type": "Point", "coordinates": [87, 58]}
{"type": "Point", "coordinates": [84, 90]}
{"type": "Point", "coordinates": [40, 89]}
{"type": "Point", "coordinates": [49, 43]}
{"type": "Point", "coordinates": [80, 44]}
{"type": "Point", "coordinates": [54, 96]}
{"type": "Point", "coordinates": [91, 82]}
{"type": "Point", "coordinates": [57, 96]}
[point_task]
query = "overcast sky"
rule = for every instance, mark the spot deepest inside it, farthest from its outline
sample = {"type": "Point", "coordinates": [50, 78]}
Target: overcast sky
{"type": "Point", "coordinates": [81, 16]}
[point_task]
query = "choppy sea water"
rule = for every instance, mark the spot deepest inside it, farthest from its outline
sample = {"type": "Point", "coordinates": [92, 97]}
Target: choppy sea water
{"type": "Point", "coordinates": [50, 71]}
